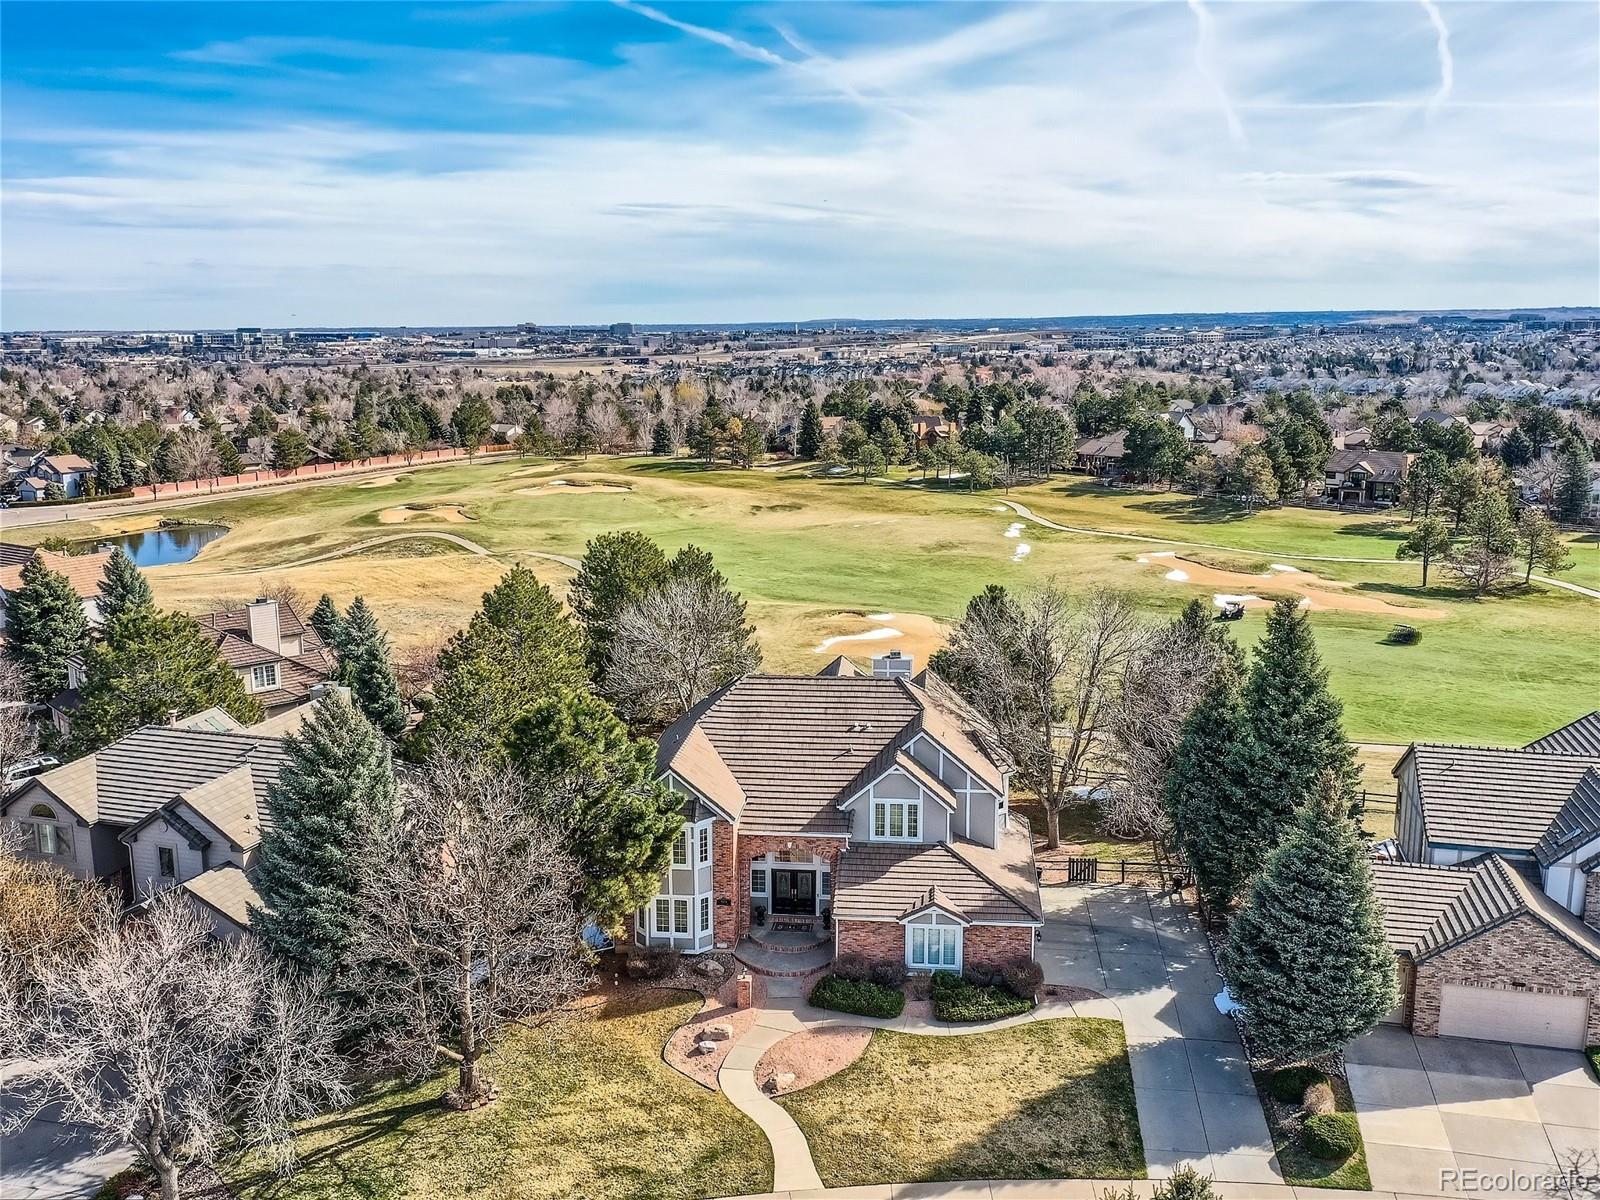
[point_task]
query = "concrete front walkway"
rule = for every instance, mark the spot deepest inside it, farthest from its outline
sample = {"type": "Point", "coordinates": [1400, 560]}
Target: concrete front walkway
{"type": "Point", "coordinates": [1470, 1117]}
{"type": "Point", "coordinates": [1147, 953]}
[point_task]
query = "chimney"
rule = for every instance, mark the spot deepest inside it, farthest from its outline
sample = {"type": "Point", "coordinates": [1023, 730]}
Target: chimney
{"type": "Point", "coordinates": [892, 665]}
{"type": "Point", "coordinates": [263, 618]}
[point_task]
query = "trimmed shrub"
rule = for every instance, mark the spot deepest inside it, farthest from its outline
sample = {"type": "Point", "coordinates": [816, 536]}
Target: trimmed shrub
{"type": "Point", "coordinates": [854, 967]}
{"type": "Point", "coordinates": [1289, 1085]}
{"type": "Point", "coordinates": [1022, 977]}
{"type": "Point", "coordinates": [1184, 1184]}
{"type": "Point", "coordinates": [977, 973]}
{"type": "Point", "coordinates": [858, 997]}
{"type": "Point", "coordinates": [1319, 1099]}
{"type": "Point", "coordinates": [888, 973]}
{"type": "Point", "coordinates": [1332, 1137]}
{"type": "Point", "coordinates": [956, 998]}
{"type": "Point", "coordinates": [652, 962]}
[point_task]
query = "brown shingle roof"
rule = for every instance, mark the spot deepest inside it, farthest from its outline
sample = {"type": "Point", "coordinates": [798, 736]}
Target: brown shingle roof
{"type": "Point", "coordinates": [83, 571]}
{"type": "Point", "coordinates": [1476, 796]}
{"type": "Point", "coordinates": [226, 889]}
{"type": "Point", "coordinates": [1387, 466]}
{"type": "Point", "coordinates": [877, 882]}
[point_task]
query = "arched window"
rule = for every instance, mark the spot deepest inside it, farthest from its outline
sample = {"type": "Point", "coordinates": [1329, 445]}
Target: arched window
{"type": "Point", "coordinates": [47, 836]}
{"type": "Point", "coordinates": [42, 810]}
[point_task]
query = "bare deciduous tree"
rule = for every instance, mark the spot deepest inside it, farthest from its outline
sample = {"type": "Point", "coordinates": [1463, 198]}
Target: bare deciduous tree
{"type": "Point", "coordinates": [416, 666]}
{"type": "Point", "coordinates": [159, 1037]}
{"type": "Point", "coordinates": [467, 923]}
{"type": "Point", "coordinates": [676, 645]}
{"type": "Point", "coordinates": [18, 734]}
{"type": "Point", "coordinates": [192, 454]}
{"type": "Point", "coordinates": [1046, 674]}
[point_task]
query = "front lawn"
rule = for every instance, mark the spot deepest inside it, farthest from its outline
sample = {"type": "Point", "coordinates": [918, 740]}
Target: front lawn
{"type": "Point", "coordinates": [592, 1112]}
{"type": "Point", "coordinates": [1300, 1167]}
{"type": "Point", "coordinates": [1046, 1100]}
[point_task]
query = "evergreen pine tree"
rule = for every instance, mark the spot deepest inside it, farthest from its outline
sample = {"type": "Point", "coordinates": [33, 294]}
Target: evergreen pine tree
{"type": "Point", "coordinates": [620, 819]}
{"type": "Point", "coordinates": [149, 665]}
{"type": "Point", "coordinates": [337, 783]}
{"type": "Point", "coordinates": [1208, 797]}
{"type": "Point", "coordinates": [809, 443]}
{"type": "Point", "coordinates": [1306, 956]}
{"type": "Point", "coordinates": [46, 627]}
{"type": "Point", "coordinates": [329, 625]}
{"type": "Point", "coordinates": [123, 588]}
{"type": "Point", "coordinates": [1571, 498]}
{"type": "Point", "coordinates": [517, 649]}
{"type": "Point", "coordinates": [367, 671]}
{"type": "Point", "coordinates": [618, 568]}
{"type": "Point", "coordinates": [1294, 727]}
{"type": "Point", "coordinates": [661, 439]}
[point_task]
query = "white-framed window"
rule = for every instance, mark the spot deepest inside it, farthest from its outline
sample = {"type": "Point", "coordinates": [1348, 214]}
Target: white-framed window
{"type": "Point", "coordinates": [680, 916]}
{"type": "Point", "coordinates": [167, 862]}
{"type": "Point", "coordinates": [705, 844]}
{"type": "Point", "coordinates": [896, 820]}
{"type": "Point", "coordinates": [758, 881]}
{"type": "Point", "coordinates": [705, 914]}
{"type": "Point", "coordinates": [263, 676]}
{"type": "Point", "coordinates": [824, 882]}
{"type": "Point", "coordinates": [663, 915]}
{"type": "Point", "coordinates": [933, 947]}
{"type": "Point", "coordinates": [47, 835]}
{"type": "Point", "coordinates": [680, 850]}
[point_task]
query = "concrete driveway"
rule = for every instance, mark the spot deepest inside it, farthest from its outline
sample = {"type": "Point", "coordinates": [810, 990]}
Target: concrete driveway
{"type": "Point", "coordinates": [1469, 1117]}
{"type": "Point", "coordinates": [1197, 1101]}
{"type": "Point", "coordinates": [47, 1160]}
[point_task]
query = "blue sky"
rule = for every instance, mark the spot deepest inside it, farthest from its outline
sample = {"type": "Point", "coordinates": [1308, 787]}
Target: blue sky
{"type": "Point", "coordinates": [213, 164]}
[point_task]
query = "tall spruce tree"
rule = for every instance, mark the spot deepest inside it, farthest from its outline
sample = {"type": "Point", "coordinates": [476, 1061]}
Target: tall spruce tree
{"type": "Point", "coordinates": [328, 623]}
{"type": "Point", "coordinates": [1209, 799]}
{"type": "Point", "coordinates": [123, 588]}
{"type": "Point", "coordinates": [367, 670]}
{"type": "Point", "coordinates": [619, 819]}
{"type": "Point", "coordinates": [337, 785]}
{"type": "Point", "coordinates": [517, 649]}
{"type": "Point", "coordinates": [1294, 724]}
{"type": "Point", "coordinates": [809, 443]}
{"type": "Point", "coordinates": [46, 627]}
{"type": "Point", "coordinates": [618, 568]}
{"type": "Point", "coordinates": [661, 439]}
{"type": "Point", "coordinates": [1306, 956]}
{"type": "Point", "coordinates": [150, 665]}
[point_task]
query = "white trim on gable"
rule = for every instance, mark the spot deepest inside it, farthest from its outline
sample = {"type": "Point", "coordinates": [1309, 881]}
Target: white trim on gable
{"type": "Point", "coordinates": [684, 787]}
{"type": "Point", "coordinates": [896, 769]}
{"type": "Point", "coordinates": [930, 914]}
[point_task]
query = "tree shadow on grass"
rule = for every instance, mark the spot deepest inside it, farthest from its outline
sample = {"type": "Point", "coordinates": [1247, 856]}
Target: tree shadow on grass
{"type": "Point", "coordinates": [1390, 530]}
{"type": "Point", "coordinates": [1195, 510]}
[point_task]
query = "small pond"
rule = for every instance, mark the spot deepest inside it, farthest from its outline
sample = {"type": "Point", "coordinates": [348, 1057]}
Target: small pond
{"type": "Point", "coordinates": [158, 547]}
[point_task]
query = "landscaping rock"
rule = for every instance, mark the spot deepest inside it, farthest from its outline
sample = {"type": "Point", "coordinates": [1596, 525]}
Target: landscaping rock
{"type": "Point", "coordinates": [710, 968]}
{"type": "Point", "coordinates": [718, 1032]}
{"type": "Point", "coordinates": [779, 1083]}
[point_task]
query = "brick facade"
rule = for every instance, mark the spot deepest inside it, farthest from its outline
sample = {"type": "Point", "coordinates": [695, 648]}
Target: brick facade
{"type": "Point", "coordinates": [750, 847]}
{"type": "Point", "coordinates": [1591, 899]}
{"type": "Point", "coordinates": [986, 945]}
{"type": "Point", "coordinates": [725, 885]}
{"type": "Point", "coordinates": [1521, 955]}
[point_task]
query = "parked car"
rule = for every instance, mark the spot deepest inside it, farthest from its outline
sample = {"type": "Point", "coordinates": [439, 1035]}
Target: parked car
{"type": "Point", "coordinates": [29, 767]}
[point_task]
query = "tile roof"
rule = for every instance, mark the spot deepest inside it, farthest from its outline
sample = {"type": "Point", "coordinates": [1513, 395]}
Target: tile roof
{"type": "Point", "coordinates": [1576, 737]}
{"type": "Point", "coordinates": [83, 571]}
{"type": "Point", "coordinates": [228, 890]}
{"type": "Point", "coordinates": [137, 774]}
{"type": "Point", "coordinates": [1107, 445]}
{"type": "Point", "coordinates": [1492, 798]}
{"type": "Point", "coordinates": [64, 463]}
{"type": "Point", "coordinates": [882, 882]}
{"type": "Point", "coordinates": [1388, 466]}
{"type": "Point", "coordinates": [229, 803]}
{"type": "Point", "coordinates": [1576, 824]}
{"type": "Point", "coordinates": [1427, 909]}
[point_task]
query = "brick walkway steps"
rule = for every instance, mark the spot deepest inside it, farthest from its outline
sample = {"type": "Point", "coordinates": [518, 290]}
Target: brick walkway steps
{"type": "Point", "coordinates": [765, 961]}
{"type": "Point", "coordinates": [790, 941]}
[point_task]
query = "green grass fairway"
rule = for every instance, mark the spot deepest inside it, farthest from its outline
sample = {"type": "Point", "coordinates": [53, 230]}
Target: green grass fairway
{"type": "Point", "coordinates": [1046, 1100]}
{"type": "Point", "coordinates": [593, 1112]}
{"type": "Point", "coordinates": [818, 557]}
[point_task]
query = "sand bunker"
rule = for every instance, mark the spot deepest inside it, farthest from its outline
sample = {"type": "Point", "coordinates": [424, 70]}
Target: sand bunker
{"type": "Point", "coordinates": [862, 635]}
{"type": "Point", "coordinates": [557, 487]}
{"type": "Point", "coordinates": [1316, 594]}
{"type": "Point", "coordinates": [450, 514]}
{"type": "Point", "coordinates": [1021, 552]}
{"type": "Point", "coordinates": [381, 481]}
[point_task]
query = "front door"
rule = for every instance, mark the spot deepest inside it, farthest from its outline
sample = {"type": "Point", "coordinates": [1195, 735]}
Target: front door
{"type": "Point", "coordinates": [794, 892]}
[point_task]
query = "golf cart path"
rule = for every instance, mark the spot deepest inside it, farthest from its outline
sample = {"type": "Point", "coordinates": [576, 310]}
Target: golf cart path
{"type": "Point", "coordinates": [1028, 514]}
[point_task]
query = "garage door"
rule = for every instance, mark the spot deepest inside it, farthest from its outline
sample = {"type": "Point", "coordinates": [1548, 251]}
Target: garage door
{"type": "Point", "coordinates": [1528, 1018]}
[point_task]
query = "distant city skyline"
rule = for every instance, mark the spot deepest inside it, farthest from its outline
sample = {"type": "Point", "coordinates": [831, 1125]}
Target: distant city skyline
{"type": "Point", "coordinates": [281, 165]}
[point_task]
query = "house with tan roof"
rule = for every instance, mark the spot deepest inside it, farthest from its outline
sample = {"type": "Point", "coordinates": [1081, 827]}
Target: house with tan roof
{"type": "Point", "coordinates": [278, 657]}
{"type": "Point", "coordinates": [1494, 906]}
{"type": "Point", "coordinates": [1361, 476]}
{"type": "Point", "coordinates": [842, 812]}
{"type": "Point", "coordinates": [83, 571]}
{"type": "Point", "coordinates": [70, 472]}
{"type": "Point", "coordinates": [164, 806]}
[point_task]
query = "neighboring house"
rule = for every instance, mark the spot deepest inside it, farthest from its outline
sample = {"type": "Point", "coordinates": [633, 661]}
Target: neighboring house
{"type": "Point", "coordinates": [1495, 911]}
{"type": "Point", "coordinates": [83, 571]}
{"type": "Point", "coordinates": [866, 802]}
{"type": "Point", "coordinates": [1102, 455]}
{"type": "Point", "coordinates": [165, 806]}
{"type": "Point", "coordinates": [1488, 435]}
{"type": "Point", "coordinates": [930, 429]}
{"type": "Point", "coordinates": [1437, 416]}
{"type": "Point", "coordinates": [71, 471]}
{"type": "Point", "coordinates": [1361, 476]}
{"type": "Point", "coordinates": [280, 659]}
{"type": "Point", "coordinates": [1208, 422]}
{"type": "Point", "coordinates": [1353, 439]}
